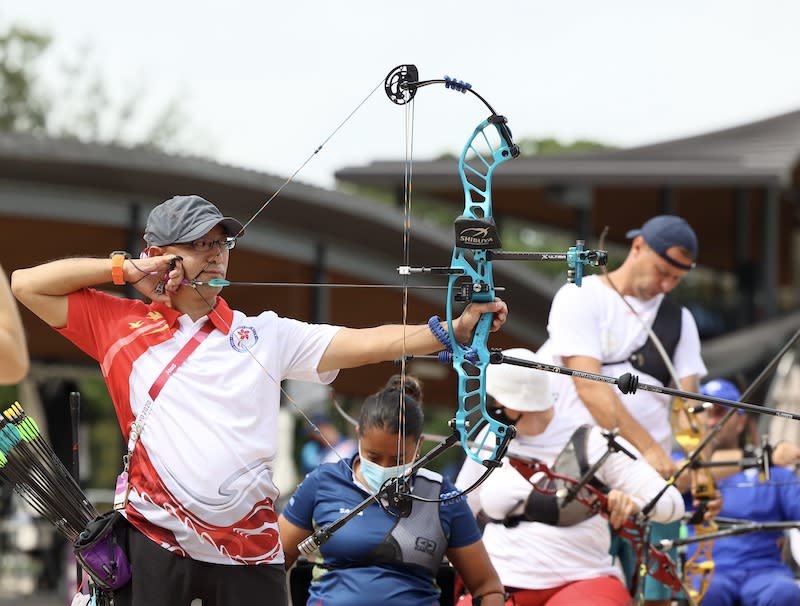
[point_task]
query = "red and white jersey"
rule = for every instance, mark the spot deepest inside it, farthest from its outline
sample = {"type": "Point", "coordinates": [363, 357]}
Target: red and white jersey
{"type": "Point", "coordinates": [201, 472]}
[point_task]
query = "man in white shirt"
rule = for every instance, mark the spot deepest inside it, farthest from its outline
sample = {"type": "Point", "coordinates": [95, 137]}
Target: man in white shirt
{"type": "Point", "coordinates": [602, 328]}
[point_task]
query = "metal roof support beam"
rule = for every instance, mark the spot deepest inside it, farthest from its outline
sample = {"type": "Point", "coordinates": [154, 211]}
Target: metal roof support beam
{"type": "Point", "coordinates": [320, 297]}
{"type": "Point", "coordinates": [743, 261]}
{"type": "Point", "coordinates": [770, 256]}
{"type": "Point", "coordinates": [668, 198]}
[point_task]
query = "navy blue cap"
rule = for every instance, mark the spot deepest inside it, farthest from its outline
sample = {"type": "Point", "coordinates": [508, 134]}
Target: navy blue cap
{"type": "Point", "coordinates": [665, 231]}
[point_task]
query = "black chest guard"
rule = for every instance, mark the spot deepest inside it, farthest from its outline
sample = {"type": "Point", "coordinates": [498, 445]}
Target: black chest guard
{"type": "Point", "coordinates": [667, 327]}
{"type": "Point", "coordinates": [417, 539]}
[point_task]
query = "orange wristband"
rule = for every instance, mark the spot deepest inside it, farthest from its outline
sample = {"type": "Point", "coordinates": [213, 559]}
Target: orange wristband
{"type": "Point", "coordinates": [117, 260]}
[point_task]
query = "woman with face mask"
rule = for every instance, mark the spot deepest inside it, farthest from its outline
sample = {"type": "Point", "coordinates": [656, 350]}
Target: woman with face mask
{"type": "Point", "coordinates": [383, 555]}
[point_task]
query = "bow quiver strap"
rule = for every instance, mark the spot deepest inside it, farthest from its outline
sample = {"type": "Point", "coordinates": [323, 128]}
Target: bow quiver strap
{"type": "Point", "coordinates": [667, 327]}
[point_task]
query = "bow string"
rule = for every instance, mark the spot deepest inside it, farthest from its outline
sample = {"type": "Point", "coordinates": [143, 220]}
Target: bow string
{"type": "Point", "coordinates": [470, 276]}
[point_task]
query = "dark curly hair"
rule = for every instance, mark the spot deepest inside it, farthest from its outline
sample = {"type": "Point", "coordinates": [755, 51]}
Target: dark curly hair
{"type": "Point", "coordinates": [382, 410]}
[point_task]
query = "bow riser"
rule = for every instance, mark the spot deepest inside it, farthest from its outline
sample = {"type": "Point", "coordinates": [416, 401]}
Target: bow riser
{"type": "Point", "coordinates": [476, 233]}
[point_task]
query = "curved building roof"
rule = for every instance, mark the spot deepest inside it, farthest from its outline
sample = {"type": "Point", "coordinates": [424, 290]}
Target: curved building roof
{"type": "Point", "coordinates": [60, 197]}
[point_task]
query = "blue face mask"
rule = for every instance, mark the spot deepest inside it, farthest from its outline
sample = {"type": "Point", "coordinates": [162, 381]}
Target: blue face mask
{"type": "Point", "coordinates": [375, 475]}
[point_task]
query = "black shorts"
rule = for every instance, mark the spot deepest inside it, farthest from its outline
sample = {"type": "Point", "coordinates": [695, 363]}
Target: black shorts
{"type": "Point", "coordinates": [161, 578]}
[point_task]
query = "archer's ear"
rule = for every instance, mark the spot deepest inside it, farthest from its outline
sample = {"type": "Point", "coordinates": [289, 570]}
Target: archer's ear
{"type": "Point", "coordinates": [638, 243]}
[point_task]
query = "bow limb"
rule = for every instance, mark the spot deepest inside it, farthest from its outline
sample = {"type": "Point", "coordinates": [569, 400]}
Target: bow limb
{"type": "Point", "coordinates": [662, 568]}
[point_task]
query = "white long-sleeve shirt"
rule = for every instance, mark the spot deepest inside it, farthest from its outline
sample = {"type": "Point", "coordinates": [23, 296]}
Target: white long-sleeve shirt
{"type": "Point", "coordinates": [532, 555]}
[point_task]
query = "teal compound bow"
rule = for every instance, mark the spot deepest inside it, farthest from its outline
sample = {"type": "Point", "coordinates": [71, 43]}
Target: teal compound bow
{"type": "Point", "coordinates": [470, 277]}
{"type": "Point", "coordinates": [483, 435]}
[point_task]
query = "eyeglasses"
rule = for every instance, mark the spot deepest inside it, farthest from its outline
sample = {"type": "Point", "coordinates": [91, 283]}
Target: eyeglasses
{"type": "Point", "coordinates": [206, 244]}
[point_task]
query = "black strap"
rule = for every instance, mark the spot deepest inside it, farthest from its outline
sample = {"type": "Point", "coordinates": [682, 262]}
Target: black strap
{"type": "Point", "coordinates": [667, 327]}
{"type": "Point", "coordinates": [580, 440]}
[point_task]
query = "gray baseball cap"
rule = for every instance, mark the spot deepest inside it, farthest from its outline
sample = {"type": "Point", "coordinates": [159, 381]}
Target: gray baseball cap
{"type": "Point", "coordinates": [183, 219]}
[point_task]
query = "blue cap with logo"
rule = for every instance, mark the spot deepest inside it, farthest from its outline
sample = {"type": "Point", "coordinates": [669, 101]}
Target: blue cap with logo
{"type": "Point", "coordinates": [721, 388]}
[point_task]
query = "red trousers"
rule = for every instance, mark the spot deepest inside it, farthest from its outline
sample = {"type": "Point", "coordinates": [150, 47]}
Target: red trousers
{"type": "Point", "coordinates": [601, 591]}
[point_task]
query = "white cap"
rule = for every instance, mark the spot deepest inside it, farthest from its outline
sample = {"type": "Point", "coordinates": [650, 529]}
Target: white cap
{"type": "Point", "coordinates": [518, 387]}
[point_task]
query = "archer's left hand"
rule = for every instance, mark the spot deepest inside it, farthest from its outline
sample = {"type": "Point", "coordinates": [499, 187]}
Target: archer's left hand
{"type": "Point", "coordinates": [467, 321]}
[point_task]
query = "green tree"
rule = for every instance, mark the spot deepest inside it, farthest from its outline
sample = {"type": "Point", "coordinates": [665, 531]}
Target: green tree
{"type": "Point", "coordinates": [550, 147]}
{"type": "Point", "coordinates": [75, 102]}
{"type": "Point", "coordinates": [22, 105]}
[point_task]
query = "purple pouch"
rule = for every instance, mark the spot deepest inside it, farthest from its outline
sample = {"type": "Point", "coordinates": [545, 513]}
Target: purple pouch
{"type": "Point", "coordinates": [99, 554]}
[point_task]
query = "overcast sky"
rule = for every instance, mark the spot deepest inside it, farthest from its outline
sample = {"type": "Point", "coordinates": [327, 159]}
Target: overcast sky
{"type": "Point", "coordinates": [264, 84]}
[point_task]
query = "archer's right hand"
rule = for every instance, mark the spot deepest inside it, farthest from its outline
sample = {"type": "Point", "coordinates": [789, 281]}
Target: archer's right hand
{"type": "Point", "coordinates": [157, 278]}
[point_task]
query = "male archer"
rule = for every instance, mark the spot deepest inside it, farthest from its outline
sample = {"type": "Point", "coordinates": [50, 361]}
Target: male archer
{"type": "Point", "coordinates": [196, 389]}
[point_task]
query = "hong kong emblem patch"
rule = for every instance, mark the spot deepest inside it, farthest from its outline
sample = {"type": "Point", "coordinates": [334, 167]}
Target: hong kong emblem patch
{"type": "Point", "coordinates": [243, 338]}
